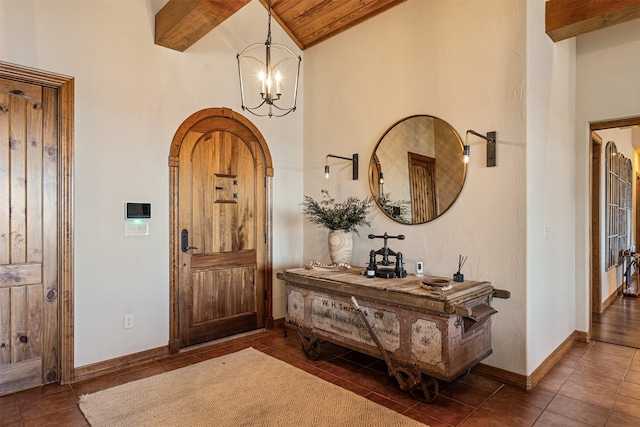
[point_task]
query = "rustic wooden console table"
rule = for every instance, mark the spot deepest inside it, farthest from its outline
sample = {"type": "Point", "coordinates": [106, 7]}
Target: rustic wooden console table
{"type": "Point", "coordinates": [438, 334]}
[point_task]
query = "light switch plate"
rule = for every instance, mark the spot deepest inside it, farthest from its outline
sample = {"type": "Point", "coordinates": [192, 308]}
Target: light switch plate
{"type": "Point", "coordinates": [134, 228]}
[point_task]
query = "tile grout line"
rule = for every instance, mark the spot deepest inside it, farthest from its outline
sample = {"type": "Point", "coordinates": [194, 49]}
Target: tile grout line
{"type": "Point", "coordinates": [615, 400]}
{"type": "Point", "coordinates": [480, 405]}
{"type": "Point", "coordinates": [556, 392]}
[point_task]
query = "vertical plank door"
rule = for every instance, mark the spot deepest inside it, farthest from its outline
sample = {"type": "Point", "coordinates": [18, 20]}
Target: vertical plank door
{"type": "Point", "coordinates": [422, 182]}
{"type": "Point", "coordinates": [28, 229]}
{"type": "Point", "coordinates": [222, 211]}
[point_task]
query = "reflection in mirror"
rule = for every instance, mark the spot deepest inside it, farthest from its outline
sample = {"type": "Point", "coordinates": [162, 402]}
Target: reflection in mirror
{"type": "Point", "coordinates": [417, 170]}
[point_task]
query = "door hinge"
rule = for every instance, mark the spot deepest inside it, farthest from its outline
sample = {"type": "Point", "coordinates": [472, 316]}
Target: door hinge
{"type": "Point", "coordinates": [265, 238]}
{"type": "Point", "coordinates": [265, 182]}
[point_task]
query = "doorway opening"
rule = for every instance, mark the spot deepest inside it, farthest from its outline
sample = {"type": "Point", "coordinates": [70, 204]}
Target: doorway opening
{"type": "Point", "coordinates": [615, 315]}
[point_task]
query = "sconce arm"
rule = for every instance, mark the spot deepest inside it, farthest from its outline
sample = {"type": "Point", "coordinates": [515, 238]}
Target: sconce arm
{"type": "Point", "coordinates": [353, 159]}
{"type": "Point", "coordinates": [491, 138]}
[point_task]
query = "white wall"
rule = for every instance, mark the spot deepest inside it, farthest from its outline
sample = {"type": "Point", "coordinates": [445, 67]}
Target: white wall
{"type": "Point", "coordinates": [442, 59]}
{"type": "Point", "coordinates": [550, 189]}
{"type": "Point", "coordinates": [607, 87]}
{"type": "Point", "coordinates": [130, 97]}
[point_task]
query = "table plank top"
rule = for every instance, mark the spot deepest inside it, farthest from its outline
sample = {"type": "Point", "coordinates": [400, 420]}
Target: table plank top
{"type": "Point", "coordinates": [412, 285]}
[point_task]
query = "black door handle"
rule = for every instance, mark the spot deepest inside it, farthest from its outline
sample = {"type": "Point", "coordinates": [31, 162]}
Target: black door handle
{"type": "Point", "coordinates": [185, 241]}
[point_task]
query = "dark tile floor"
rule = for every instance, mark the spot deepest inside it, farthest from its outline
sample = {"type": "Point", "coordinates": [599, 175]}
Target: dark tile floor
{"type": "Point", "coordinates": [595, 384]}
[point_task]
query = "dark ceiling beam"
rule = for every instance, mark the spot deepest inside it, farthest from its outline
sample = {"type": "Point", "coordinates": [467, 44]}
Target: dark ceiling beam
{"type": "Point", "coordinates": [569, 18]}
{"type": "Point", "coordinates": [181, 23]}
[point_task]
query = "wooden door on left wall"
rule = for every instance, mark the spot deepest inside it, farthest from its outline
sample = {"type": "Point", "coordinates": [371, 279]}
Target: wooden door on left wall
{"type": "Point", "coordinates": [29, 132]}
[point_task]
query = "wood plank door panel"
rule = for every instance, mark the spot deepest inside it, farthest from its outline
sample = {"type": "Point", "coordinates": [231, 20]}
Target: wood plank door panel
{"type": "Point", "coordinates": [222, 275]}
{"type": "Point", "coordinates": [422, 184]}
{"type": "Point", "coordinates": [28, 236]}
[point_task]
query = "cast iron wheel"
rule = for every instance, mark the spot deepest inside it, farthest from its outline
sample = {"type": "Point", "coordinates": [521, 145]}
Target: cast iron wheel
{"type": "Point", "coordinates": [311, 346]}
{"type": "Point", "coordinates": [426, 391]}
{"type": "Point", "coordinates": [406, 378]}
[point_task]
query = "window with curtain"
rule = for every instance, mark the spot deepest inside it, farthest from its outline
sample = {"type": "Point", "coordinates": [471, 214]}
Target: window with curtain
{"type": "Point", "coordinates": [618, 215]}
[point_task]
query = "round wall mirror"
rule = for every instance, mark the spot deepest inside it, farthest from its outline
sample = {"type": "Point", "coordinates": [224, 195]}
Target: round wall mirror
{"type": "Point", "coordinates": [417, 169]}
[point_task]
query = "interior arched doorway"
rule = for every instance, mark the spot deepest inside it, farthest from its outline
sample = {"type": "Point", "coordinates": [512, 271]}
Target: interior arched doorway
{"type": "Point", "coordinates": [220, 220]}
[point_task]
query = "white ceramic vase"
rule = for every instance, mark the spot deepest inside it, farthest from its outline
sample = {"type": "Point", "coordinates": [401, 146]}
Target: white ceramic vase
{"type": "Point", "coordinates": [340, 246]}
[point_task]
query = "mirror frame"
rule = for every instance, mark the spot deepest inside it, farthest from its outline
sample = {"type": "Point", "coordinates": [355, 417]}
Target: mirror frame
{"type": "Point", "coordinates": [374, 168]}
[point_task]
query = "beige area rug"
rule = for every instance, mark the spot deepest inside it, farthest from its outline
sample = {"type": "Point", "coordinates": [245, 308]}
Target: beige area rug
{"type": "Point", "coordinates": [247, 388]}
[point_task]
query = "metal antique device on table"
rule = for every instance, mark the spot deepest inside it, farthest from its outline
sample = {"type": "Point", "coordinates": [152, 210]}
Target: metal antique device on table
{"type": "Point", "coordinates": [373, 269]}
{"type": "Point", "coordinates": [423, 330]}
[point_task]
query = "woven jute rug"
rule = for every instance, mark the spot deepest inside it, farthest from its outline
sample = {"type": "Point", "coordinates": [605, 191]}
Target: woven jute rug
{"type": "Point", "coordinates": [247, 388]}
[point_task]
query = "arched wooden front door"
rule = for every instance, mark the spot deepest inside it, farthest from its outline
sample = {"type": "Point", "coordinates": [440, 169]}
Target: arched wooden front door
{"type": "Point", "coordinates": [220, 243]}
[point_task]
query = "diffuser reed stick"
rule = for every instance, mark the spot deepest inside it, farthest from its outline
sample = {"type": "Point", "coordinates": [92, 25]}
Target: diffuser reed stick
{"type": "Point", "coordinates": [459, 277]}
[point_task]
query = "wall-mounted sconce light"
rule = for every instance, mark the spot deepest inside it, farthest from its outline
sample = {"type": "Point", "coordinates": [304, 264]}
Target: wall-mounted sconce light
{"type": "Point", "coordinates": [491, 139]}
{"type": "Point", "coordinates": [353, 159]}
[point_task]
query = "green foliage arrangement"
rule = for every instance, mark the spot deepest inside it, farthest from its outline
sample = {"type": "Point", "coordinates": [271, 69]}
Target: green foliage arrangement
{"type": "Point", "coordinates": [396, 209]}
{"type": "Point", "coordinates": [328, 213]}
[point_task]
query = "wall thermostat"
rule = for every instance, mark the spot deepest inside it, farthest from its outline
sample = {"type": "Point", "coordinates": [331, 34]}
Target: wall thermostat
{"type": "Point", "coordinates": [137, 210]}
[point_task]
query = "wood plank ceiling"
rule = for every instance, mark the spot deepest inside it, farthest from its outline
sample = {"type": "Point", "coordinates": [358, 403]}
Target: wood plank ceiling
{"type": "Point", "coordinates": [180, 23]}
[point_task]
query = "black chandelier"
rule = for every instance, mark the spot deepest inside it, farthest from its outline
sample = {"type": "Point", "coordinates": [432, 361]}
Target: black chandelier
{"type": "Point", "coordinates": [271, 84]}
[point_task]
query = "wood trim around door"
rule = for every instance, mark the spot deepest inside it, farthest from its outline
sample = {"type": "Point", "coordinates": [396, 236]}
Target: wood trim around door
{"type": "Point", "coordinates": [65, 87]}
{"type": "Point", "coordinates": [595, 265]}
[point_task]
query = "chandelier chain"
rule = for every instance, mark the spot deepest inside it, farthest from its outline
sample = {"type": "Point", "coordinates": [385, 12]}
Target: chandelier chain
{"type": "Point", "coordinates": [269, 24]}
